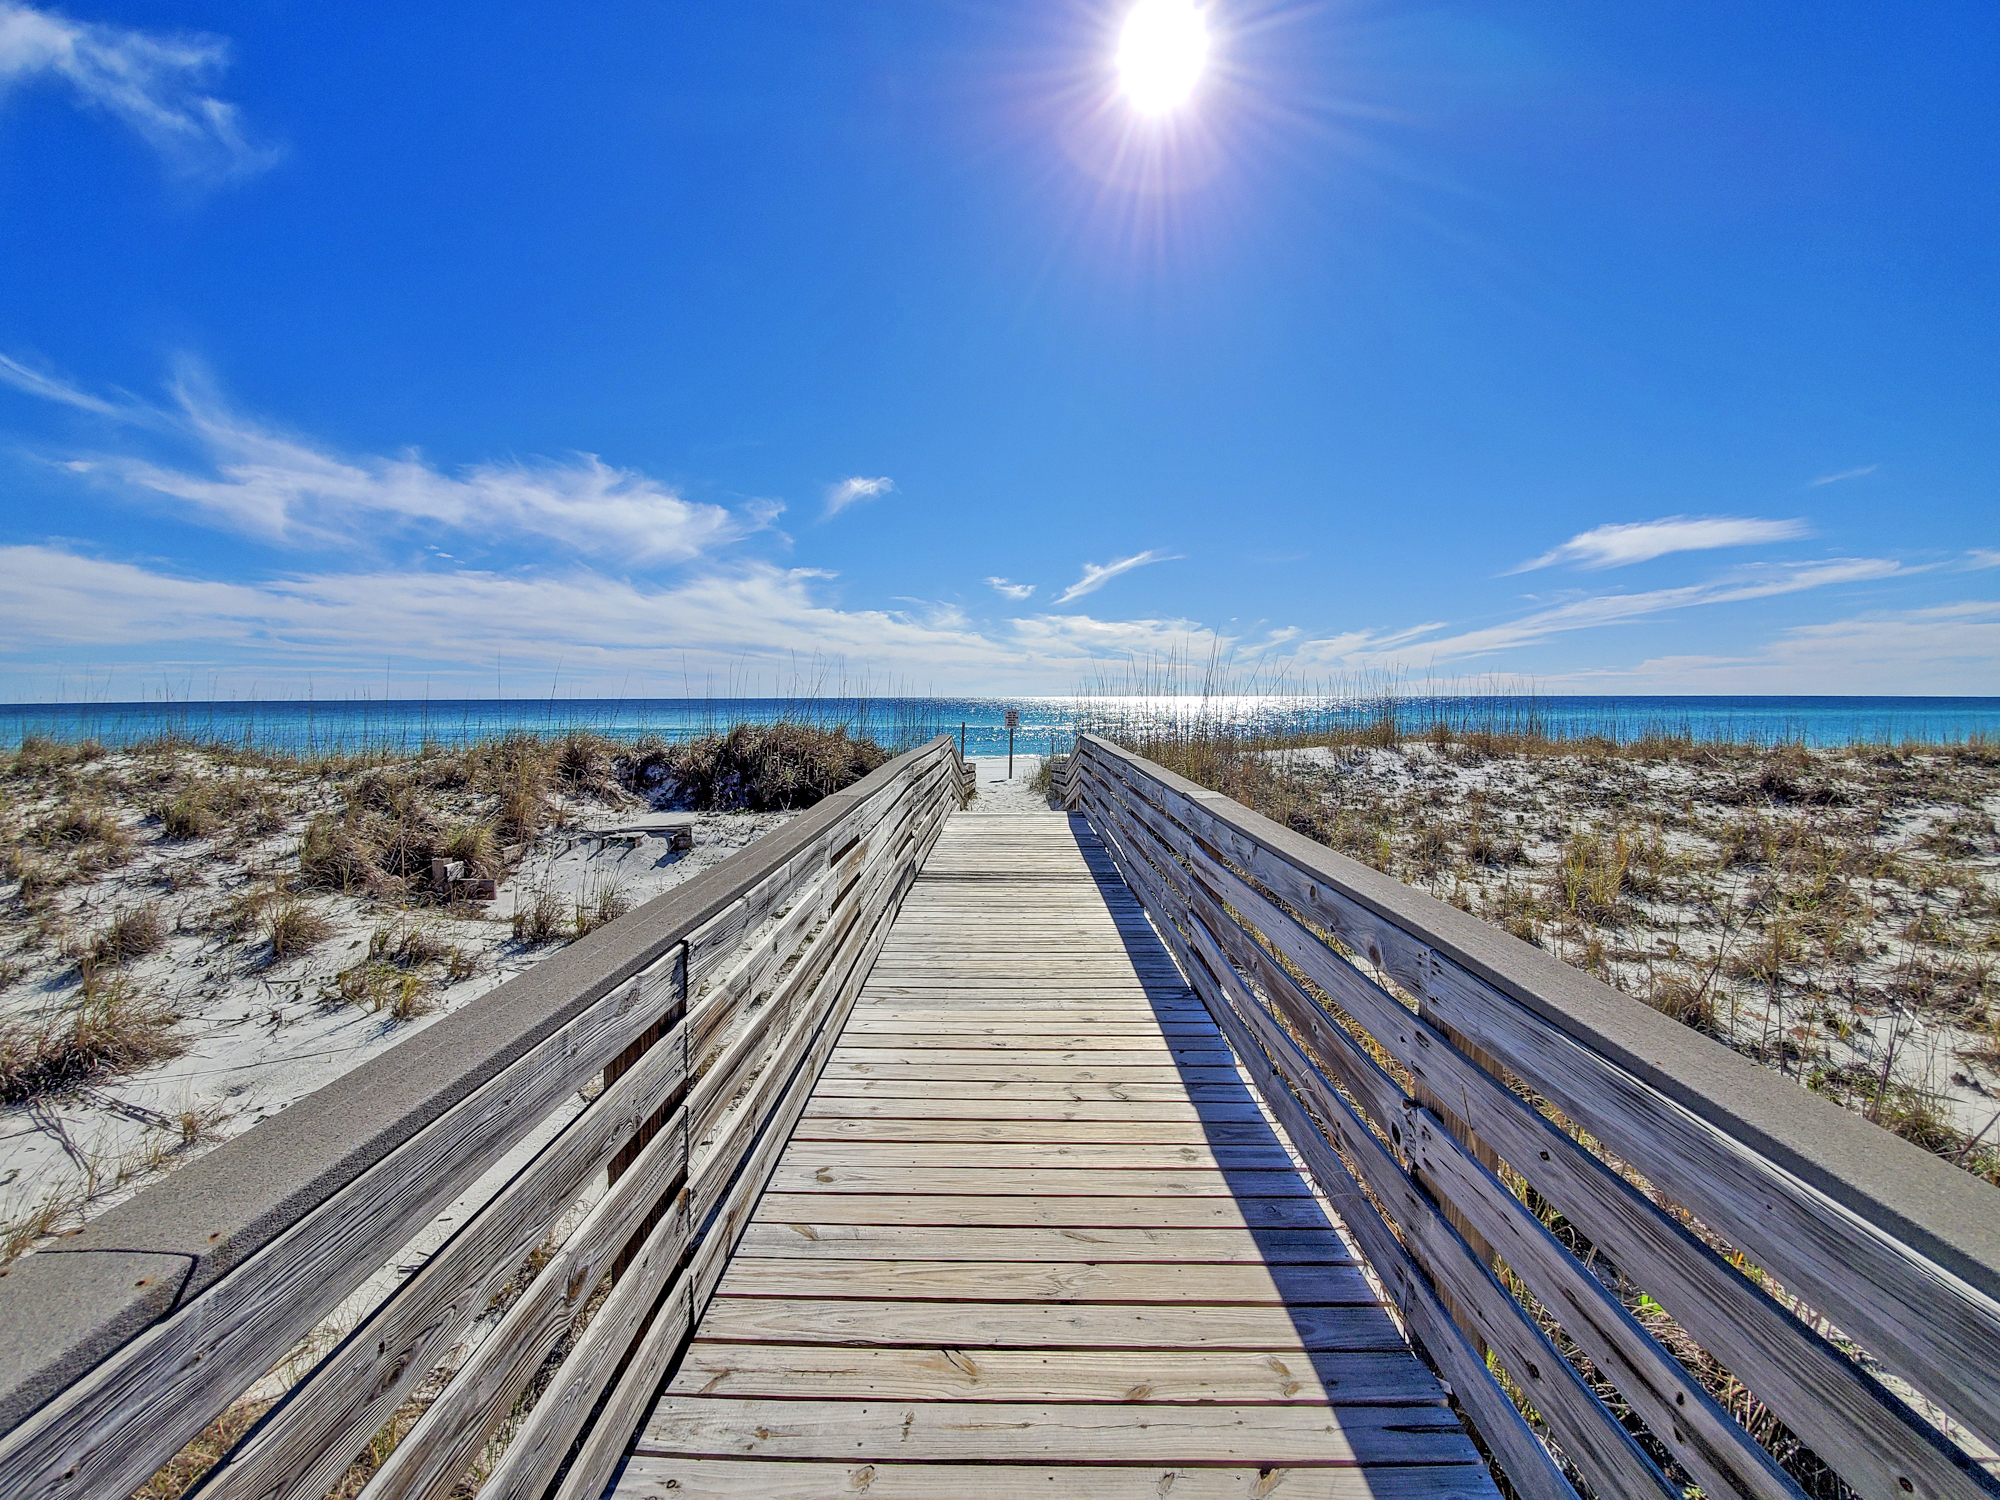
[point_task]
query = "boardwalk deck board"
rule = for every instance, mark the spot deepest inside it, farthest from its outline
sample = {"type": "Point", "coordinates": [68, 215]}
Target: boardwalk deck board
{"type": "Point", "coordinates": [1034, 1231]}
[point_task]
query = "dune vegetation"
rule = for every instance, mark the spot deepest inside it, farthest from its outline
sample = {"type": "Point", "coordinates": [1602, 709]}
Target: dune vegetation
{"type": "Point", "coordinates": [1833, 913]}
{"type": "Point", "coordinates": [179, 907]}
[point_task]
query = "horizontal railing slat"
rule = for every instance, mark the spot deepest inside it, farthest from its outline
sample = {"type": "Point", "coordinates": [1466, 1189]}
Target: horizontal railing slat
{"type": "Point", "coordinates": [1887, 1292]}
{"type": "Point", "coordinates": [308, 1204]}
{"type": "Point", "coordinates": [1836, 1406]}
{"type": "Point", "coordinates": [533, 1457]}
{"type": "Point", "coordinates": [299, 1447]}
{"type": "Point", "coordinates": [429, 1460]}
{"type": "Point", "coordinates": [1528, 1465]}
{"type": "Point", "coordinates": [611, 1434]}
{"type": "Point", "coordinates": [1719, 1453]}
{"type": "Point", "coordinates": [1590, 1435]}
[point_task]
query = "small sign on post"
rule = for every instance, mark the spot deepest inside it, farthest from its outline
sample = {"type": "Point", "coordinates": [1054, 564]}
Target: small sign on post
{"type": "Point", "coordinates": [1013, 723]}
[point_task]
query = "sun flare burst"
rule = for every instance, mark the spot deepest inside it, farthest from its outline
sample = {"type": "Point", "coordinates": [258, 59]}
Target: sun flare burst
{"type": "Point", "coordinates": [1162, 50]}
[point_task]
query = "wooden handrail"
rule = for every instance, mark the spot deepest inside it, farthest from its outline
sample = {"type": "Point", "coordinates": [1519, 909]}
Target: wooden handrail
{"type": "Point", "coordinates": [122, 1343]}
{"type": "Point", "coordinates": [1408, 1104]}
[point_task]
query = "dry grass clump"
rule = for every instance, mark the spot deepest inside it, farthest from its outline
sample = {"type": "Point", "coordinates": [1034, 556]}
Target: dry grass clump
{"type": "Point", "coordinates": [189, 816]}
{"type": "Point", "coordinates": [78, 839]}
{"type": "Point", "coordinates": [407, 944]}
{"type": "Point", "coordinates": [39, 757]}
{"type": "Point", "coordinates": [604, 903]}
{"type": "Point", "coordinates": [112, 1027]}
{"type": "Point", "coordinates": [407, 963]}
{"type": "Point", "coordinates": [242, 915]}
{"type": "Point", "coordinates": [372, 825]}
{"type": "Point", "coordinates": [1590, 877]}
{"type": "Point", "coordinates": [583, 762]}
{"type": "Point", "coordinates": [201, 807]}
{"type": "Point", "coordinates": [403, 995]}
{"type": "Point", "coordinates": [543, 920]}
{"type": "Point", "coordinates": [296, 928]}
{"type": "Point", "coordinates": [551, 918]}
{"type": "Point", "coordinates": [38, 877]}
{"type": "Point", "coordinates": [382, 842]}
{"type": "Point", "coordinates": [475, 844]}
{"type": "Point", "coordinates": [754, 767]}
{"type": "Point", "coordinates": [133, 933]}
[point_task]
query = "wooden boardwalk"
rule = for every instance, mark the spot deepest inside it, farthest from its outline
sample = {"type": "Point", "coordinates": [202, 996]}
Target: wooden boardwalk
{"type": "Point", "coordinates": [1035, 1235]}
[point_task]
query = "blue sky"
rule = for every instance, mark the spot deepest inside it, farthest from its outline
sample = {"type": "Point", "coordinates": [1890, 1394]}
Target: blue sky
{"type": "Point", "coordinates": [646, 348]}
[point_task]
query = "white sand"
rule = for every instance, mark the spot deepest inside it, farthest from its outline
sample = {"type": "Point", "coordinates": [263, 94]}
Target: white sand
{"type": "Point", "coordinates": [260, 1035]}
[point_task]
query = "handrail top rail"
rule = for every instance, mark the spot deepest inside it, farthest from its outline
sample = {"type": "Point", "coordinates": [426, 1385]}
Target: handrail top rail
{"type": "Point", "coordinates": [65, 1308]}
{"type": "Point", "coordinates": [1946, 1214]}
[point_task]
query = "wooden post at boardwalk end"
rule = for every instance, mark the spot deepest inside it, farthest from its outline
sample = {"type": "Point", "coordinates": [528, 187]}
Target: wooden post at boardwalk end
{"type": "Point", "coordinates": [1013, 723]}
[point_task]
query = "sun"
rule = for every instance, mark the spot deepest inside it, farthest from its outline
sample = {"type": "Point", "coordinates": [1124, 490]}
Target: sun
{"type": "Point", "coordinates": [1161, 52]}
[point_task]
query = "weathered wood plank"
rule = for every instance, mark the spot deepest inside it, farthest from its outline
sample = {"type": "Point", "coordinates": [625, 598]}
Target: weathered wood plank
{"type": "Point", "coordinates": [1075, 1091]}
{"type": "Point", "coordinates": [1059, 1269]}
{"type": "Point", "coordinates": [1012, 1103]}
{"type": "Point", "coordinates": [1052, 1282]}
{"type": "Point", "coordinates": [769, 1237]}
{"type": "Point", "coordinates": [435, 1452]}
{"type": "Point", "coordinates": [944, 1431]}
{"type": "Point", "coordinates": [1035, 1183]}
{"type": "Point", "coordinates": [307, 1442]}
{"type": "Point", "coordinates": [1099, 1048]}
{"type": "Point", "coordinates": [1081, 1325]}
{"type": "Point", "coordinates": [1590, 1434]}
{"type": "Point", "coordinates": [1040, 1133]}
{"type": "Point", "coordinates": [1137, 1377]}
{"type": "Point", "coordinates": [445, 1439]}
{"type": "Point", "coordinates": [1005, 1158]}
{"type": "Point", "coordinates": [609, 1437]}
{"type": "Point", "coordinates": [1005, 1072]}
{"type": "Point", "coordinates": [976, 1061]}
{"type": "Point", "coordinates": [652, 1477]}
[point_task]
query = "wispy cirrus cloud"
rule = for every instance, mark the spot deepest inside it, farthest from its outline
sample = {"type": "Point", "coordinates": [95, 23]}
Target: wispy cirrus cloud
{"type": "Point", "coordinates": [1366, 649]}
{"type": "Point", "coordinates": [1843, 474]}
{"type": "Point", "coordinates": [1949, 648]}
{"type": "Point", "coordinates": [156, 83]}
{"type": "Point", "coordinates": [1619, 544]}
{"type": "Point", "coordinates": [241, 475]}
{"type": "Point", "coordinates": [25, 377]}
{"type": "Point", "coordinates": [1007, 588]}
{"type": "Point", "coordinates": [744, 623]}
{"type": "Point", "coordinates": [849, 491]}
{"type": "Point", "coordinates": [1096, 575]}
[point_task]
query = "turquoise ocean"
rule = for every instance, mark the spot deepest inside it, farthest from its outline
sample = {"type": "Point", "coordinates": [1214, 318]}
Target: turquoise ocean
{"type": "Point", "coordinates": [359, 724]}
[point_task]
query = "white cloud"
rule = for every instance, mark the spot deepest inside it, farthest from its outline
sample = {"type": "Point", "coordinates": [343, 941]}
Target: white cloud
{"type": "Point", "coordinates": [155, 83]}
{"type": "Point", "coordinates": [53, 388]}
{"type": "Point", "coordinates": [751, 626]}
{"type": "Point", "coordinates": [1010, 589]}
{"type": "Point", "coordinates": [745, 625]}
{"type": "Point", "coordinates": [290, 492]}
{"type": "Point", "coordinates": [1368, 650]}
{"type": "Point", "coordinates": [840, 496]}
{"type": "Point", "coordinates": [1095, 576]}
{"type": "Point", "coordinates": [1619, 609]}
{"type": "Point", "coordinates": [1946, 648]}
{"type": "Point", "coordinates": [1615, 546]}
{"type": "Point", "coordinates": [1844, 474]}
